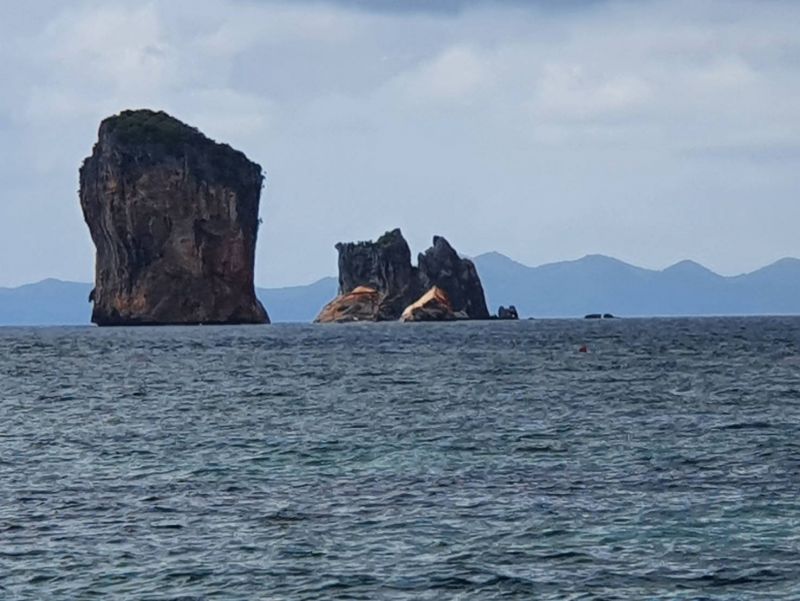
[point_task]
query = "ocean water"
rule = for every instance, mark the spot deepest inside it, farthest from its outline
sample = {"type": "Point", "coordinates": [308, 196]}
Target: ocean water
{"type": "Point", "coordinates": [387, 461]}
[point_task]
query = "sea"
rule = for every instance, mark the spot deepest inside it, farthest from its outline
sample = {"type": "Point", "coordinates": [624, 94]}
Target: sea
{"type": "Point", "coordinates": [470, 461]}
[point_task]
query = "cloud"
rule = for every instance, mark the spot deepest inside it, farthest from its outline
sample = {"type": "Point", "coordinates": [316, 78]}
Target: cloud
{"type": "Point", "coordinates": [546, 130]}
{"type": "Point", "coordinates": [751, 152]}
{"type": "Point", "coordinates": [454, 76]}
{"type": "Point", "coordinates": [570, 92]}
{"type": "Point", "coordinates": [253, 26]}
{"type": "Point", "coordinates": [453, 7]}
{"type": "Point", "coordinates": [125, 48]}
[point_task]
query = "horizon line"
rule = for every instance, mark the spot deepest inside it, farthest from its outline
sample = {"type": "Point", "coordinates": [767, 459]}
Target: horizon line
{"type": "Point", "coordinates": [473, 258]}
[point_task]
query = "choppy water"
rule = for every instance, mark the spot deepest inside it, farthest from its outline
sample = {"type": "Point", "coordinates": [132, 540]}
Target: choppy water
{"type": "Point", "coordinates": [449, 461]}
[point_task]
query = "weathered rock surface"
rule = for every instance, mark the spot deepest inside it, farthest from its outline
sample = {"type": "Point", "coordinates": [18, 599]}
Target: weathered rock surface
{"type": "Point", "coordinates": [385, 267]}
{"type": "Point", "coordinates": [441, 266]}
{"type": "Point", "coordinates": [361, 304]}
{"type": "Point", "coordinates": [174, 218]}
{"type": "Point", "coordinates": [509, 312]}
{"type": "Point", "coordinates": [434, 305]}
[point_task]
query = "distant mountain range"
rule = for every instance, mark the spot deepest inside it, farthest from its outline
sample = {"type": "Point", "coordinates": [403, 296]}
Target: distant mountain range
{"type": "Point", "coordinates": [593, 284]}
{"type": "Point", "coordinates": [599, 284]}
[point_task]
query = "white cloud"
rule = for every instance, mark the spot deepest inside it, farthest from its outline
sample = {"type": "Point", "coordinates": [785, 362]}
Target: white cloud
{"type": "Point", "coordinates": [570, 91]}
{"type": "Point", "coordinates": [456, 75]}
{"type": "Point", "coordinates": [117, 46]}
{"type": "Point", "coordinates": [547, 134]}
{"type": "Point", "coordinates": [273, 25]}
{"type": "Point", "coordinates": [725, 73]}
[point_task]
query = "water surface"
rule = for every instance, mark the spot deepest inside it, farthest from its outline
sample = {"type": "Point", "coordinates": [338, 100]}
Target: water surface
{"type": "Point", "coordinates": [418, 461]}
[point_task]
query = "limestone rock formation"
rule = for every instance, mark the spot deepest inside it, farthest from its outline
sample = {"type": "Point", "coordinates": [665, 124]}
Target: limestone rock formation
{"type": "Point", "coordinates": [361, 304]}
{"type": "Point", "coordinates": [441, 266]}
{"type": "Point", "coordinates": [434, 305]}
{"type": "Point", "coordinates": [384, 266]}
{"type": "Point", "coordinates": [509, 312]}
{"type": "Point", "coordinates": [174, 218]}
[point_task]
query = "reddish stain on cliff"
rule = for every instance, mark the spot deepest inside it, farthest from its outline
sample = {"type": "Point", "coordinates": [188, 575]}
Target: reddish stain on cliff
{"type": "Point", "coordinates": [384, 266]}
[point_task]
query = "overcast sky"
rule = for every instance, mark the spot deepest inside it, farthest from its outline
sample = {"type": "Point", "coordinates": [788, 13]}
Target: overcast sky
{"type": "Point", "coordinates": [652, 131]}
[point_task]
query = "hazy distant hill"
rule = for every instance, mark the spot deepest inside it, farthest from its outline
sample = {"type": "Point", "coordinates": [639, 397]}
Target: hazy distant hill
{"type": "Point", "coordinates": [54, 302]}
{"type": "Point", "coordinates": [298, 303]}
{"type": "Point", "coordinates": [601, 284]}
{"type": "Point", "coordinates": [49, 302]}
{"type": "Point", "coordinates": [593, 284]}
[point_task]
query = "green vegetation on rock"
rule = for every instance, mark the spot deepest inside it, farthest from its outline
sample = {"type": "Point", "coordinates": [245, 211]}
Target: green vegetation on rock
{"type": "Point", "coordinates": [147, 128]}
{"type": "Point", "coordinates": [152, 127]}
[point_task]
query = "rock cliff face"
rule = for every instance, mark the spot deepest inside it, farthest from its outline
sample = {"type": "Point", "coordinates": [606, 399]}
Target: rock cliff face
{"type": "Point", "coordinates": [384, 266]}
{"type": "Point", "coordinates": [174, 218]}
{"type": "Point", "coordinates": [441, 266]}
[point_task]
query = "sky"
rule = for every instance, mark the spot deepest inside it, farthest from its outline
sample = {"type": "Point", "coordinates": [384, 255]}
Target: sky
{"type": "Point", "coordinates": [652, 131]}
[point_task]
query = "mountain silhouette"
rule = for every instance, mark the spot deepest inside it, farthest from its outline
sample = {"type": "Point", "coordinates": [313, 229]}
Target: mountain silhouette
{"type": "Point", "coordinates": [597, 283]}
{"type": "Point", "coordinates": [592, 284]}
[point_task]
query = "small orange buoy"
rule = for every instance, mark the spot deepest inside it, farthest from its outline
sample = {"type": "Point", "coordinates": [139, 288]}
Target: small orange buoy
{"type": "Point", "coordinates": [583, 349]}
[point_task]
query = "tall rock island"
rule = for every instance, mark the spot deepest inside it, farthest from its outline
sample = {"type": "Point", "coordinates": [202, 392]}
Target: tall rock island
{"type": "Point", "coordinates": [377, 282]}
{"type": "Point", "coordinates": [174, 218]}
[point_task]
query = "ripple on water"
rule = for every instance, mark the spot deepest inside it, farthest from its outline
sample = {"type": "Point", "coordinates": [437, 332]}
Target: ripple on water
{"type": "Point", "coordinates": [453, 461]}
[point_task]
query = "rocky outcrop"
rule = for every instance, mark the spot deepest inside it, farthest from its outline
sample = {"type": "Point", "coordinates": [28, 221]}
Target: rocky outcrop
{"type": "Point", "coordinates": [174, 218]}
{"type": "Point", "coordinates": [361, 304]}
{"type": "Point", "coordinates": [434, 305]}
{"type": "Point", "coordinates": [441, 266]}
{"type": "Point", "coordinates": [509, 312]}
{"type": "Point", "coordinates": [385, 267]}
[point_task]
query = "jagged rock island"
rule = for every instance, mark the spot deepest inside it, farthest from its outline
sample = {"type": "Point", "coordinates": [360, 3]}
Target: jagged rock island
{"type": "Point", "coordinates": [507, 313]}
{"type": "Point", "coordinates": [174, 218]}
{"type": "Point", "coordinates": [377, 282]}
